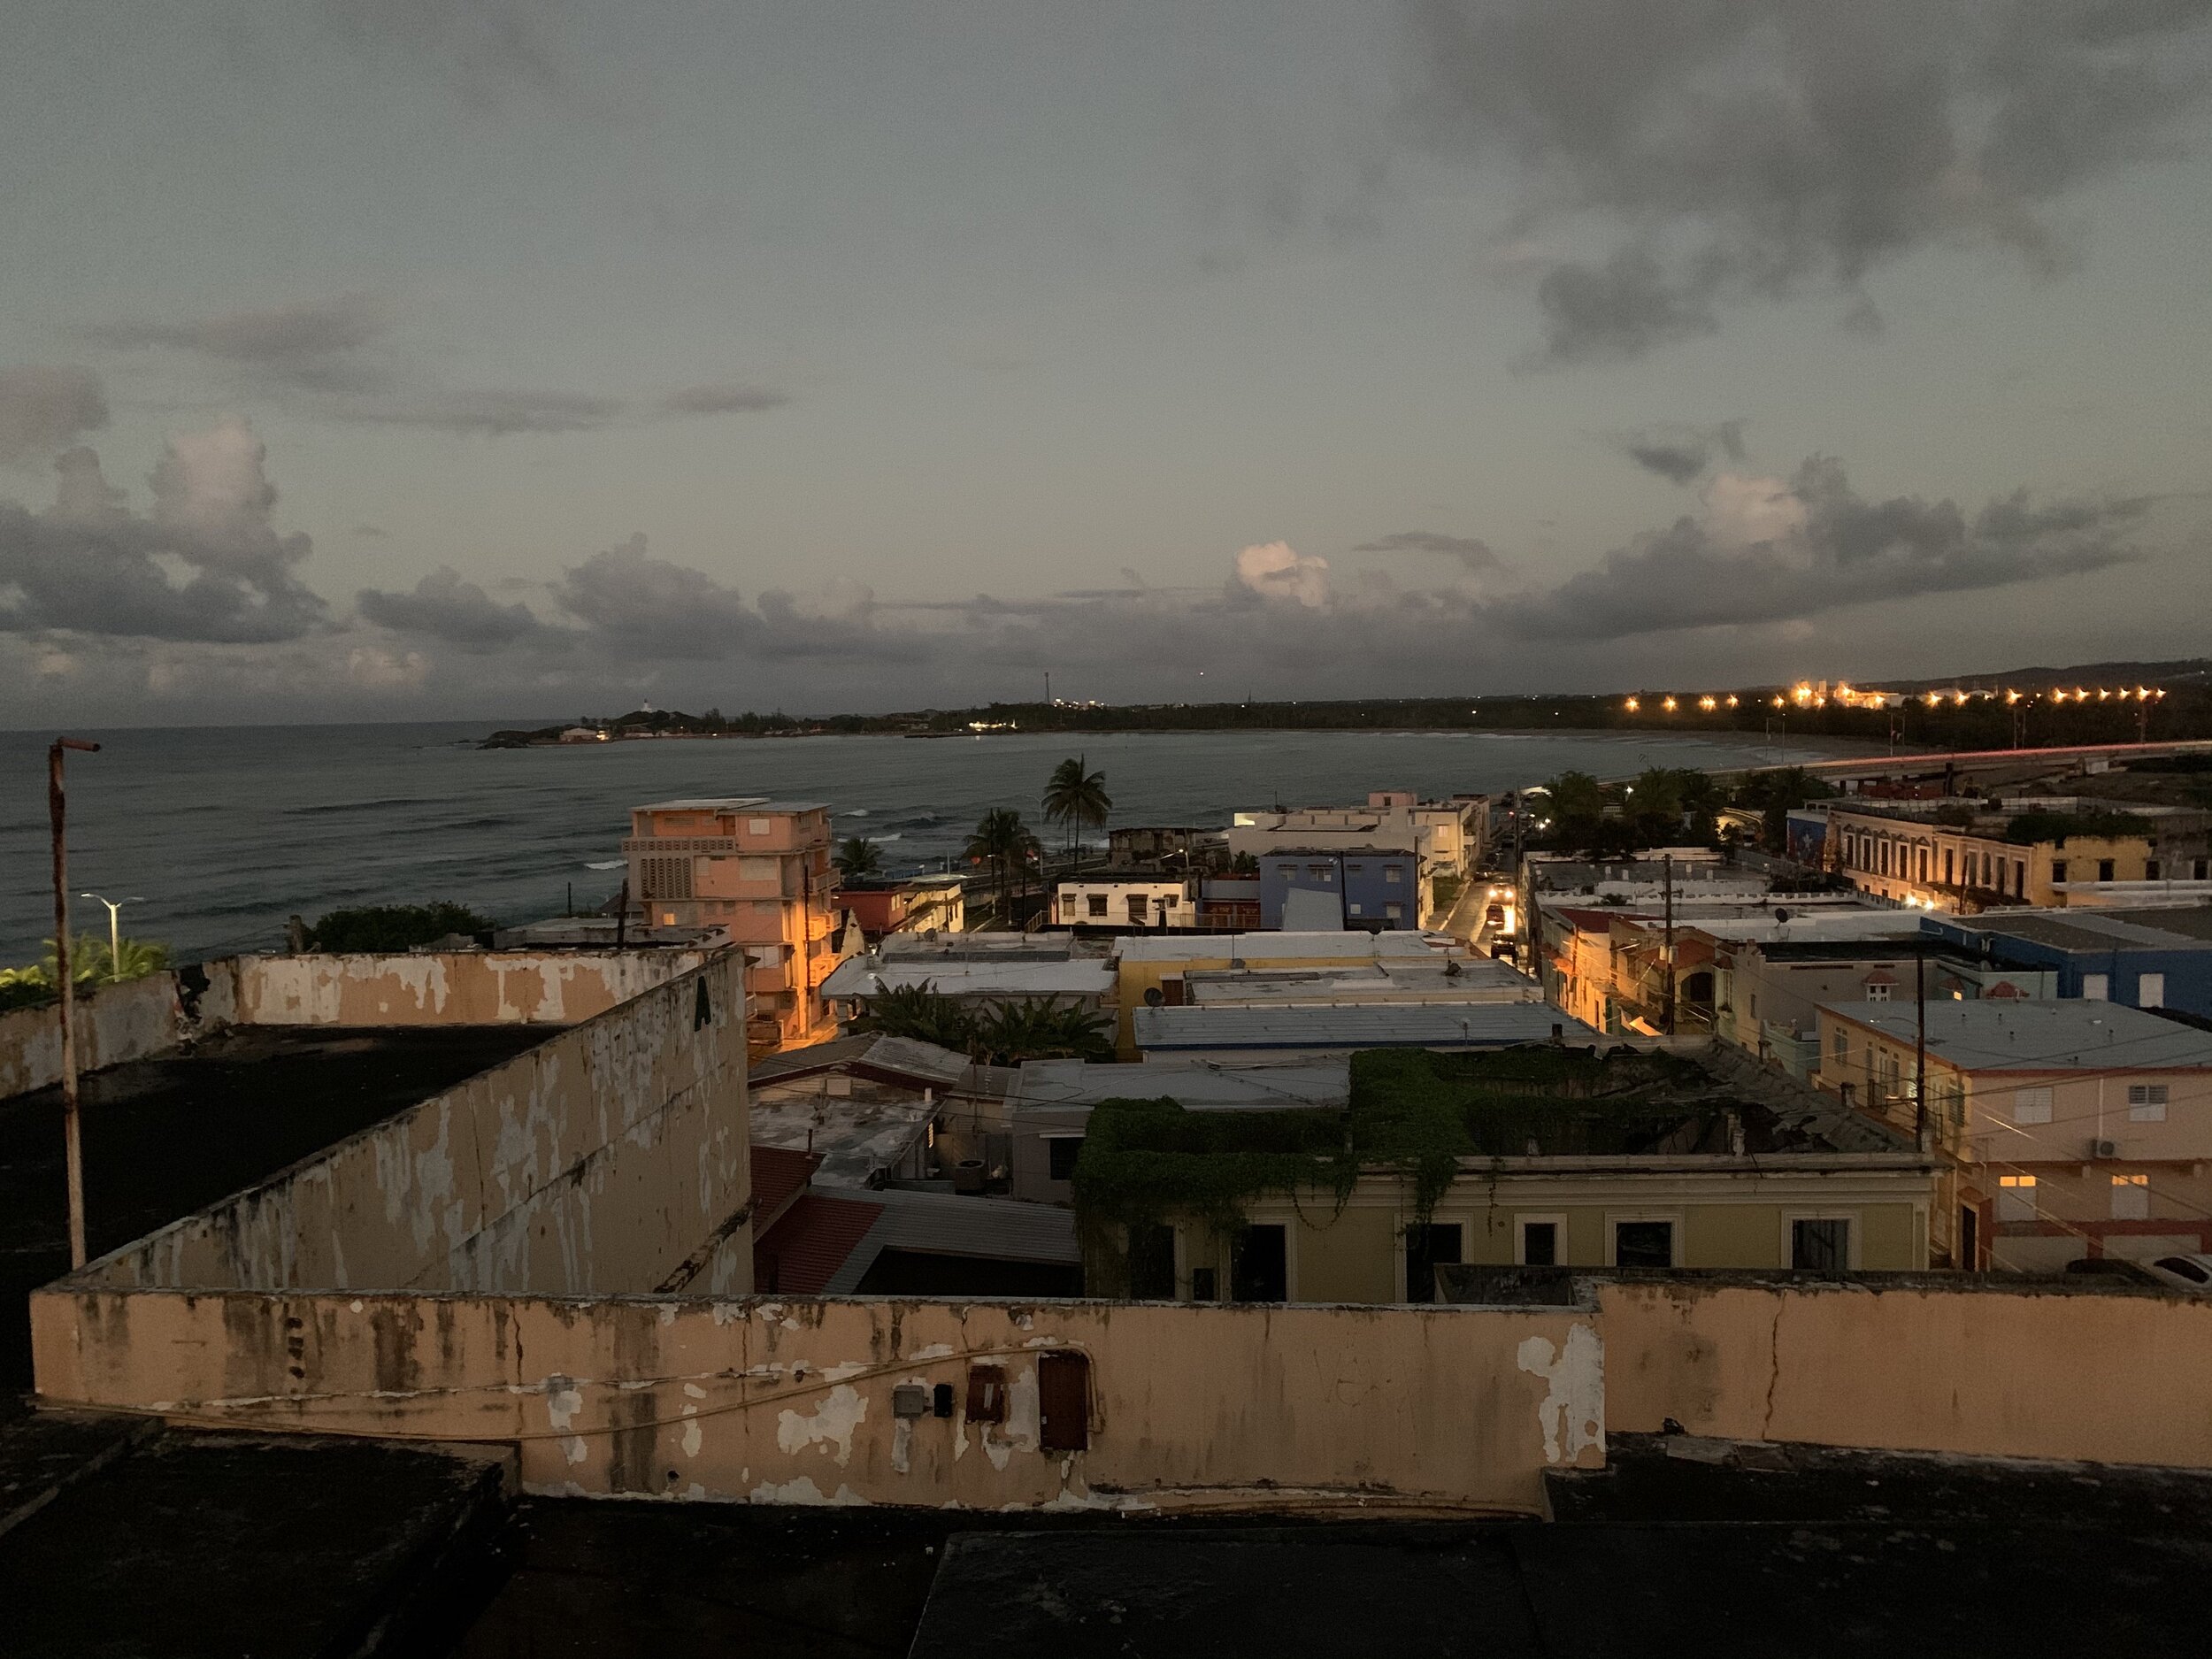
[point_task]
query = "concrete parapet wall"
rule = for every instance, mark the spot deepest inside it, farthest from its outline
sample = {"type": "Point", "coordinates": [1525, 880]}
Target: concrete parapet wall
{"type": "Point", "coordinates": [791, 1402]}
{"type": "Point", "coordinates": [115, 1024]}
{"type": "Point", "coordinates": [596, 1162]}
{"type": "Point", "coordinates": [2089, 1375]}
{"type": "Point", "coordinates": [461, 987]}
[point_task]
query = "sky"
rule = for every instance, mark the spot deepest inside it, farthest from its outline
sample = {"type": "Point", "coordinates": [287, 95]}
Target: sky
{"type": "Point", "coordinates": [528, 359]}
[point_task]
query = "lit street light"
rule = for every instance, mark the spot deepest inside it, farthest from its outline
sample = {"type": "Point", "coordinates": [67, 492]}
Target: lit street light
{"type": "Point", "coordinates": [115, 929]}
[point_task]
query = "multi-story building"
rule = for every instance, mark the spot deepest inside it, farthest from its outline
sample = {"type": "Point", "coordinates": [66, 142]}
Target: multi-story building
{"type": "Point", "coordinates": [1451, 836]}
{"type": "Point", "coordinates": [2147, 958]}
{"type": "Point", "coordinates": [760, 869]}
{"type": "Point", "coordinates": [920, 904]}
{"type": "Point", "coordinates": [2068, 1128]}
{"type": "Point", "coordinates": [1373, 890]}
{"type": "Point", "coordinates": [1126, 899]}
{"type": "Point", "coordinates": [1948, 856]}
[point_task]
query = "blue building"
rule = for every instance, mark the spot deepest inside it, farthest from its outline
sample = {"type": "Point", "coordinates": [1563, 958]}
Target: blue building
{"type": "Point", "coordinates": [2143, 958]}
{"type": "Point", "coordinates": [1322, 889]}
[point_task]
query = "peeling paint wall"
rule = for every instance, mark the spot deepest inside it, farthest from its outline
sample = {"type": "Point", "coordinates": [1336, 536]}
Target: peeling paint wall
{"type": "Point", "coordinates": [596, 1162]}
{"type": "Point", "coordinates": [115, 1024]}
{"type": "Point", "coordinates": [1372, 1410]}
{"type": "Point", "coordinates": [483, 987]}
{"type": "Point", "coordinates": [2117, 1378]}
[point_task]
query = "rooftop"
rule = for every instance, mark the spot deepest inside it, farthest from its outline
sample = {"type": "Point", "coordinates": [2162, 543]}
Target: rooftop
{"type": "Point", "coordinates": [757, 803]}
{"type": "Point", "coordinates": [1356, 1025]}
{"type": "Point", "coordinates": [1195, 1083]}
{"type": "Point", "coordinates": [2007, 1035]}
{"type": "Point", "coordinates": [1442, 978]}
{"type": "Point", "coordinates": [871, 975]}
{"type": "Point", "coordinates": [2181, 928]}
{"type": "Point", "coordinates": [1353, 946]}
{"type": "Point", "coordinates": [829, 1245]}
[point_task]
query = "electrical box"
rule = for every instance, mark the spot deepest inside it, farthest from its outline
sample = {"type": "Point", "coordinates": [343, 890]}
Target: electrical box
{"type": "Point", "coordinates": [910, 1400]}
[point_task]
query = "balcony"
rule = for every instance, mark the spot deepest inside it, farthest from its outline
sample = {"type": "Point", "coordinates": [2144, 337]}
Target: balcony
{"type": "Point", "coordinates": [665, 845]}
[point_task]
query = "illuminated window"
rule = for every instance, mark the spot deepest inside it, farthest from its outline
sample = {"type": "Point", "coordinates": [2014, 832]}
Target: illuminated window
{"type": "Point", "coordinates": [2130, 1197]}
{"type": "Point", "coordinates": [1878, 994]}
{"type": "Point", "coordinates": [2031, 1105]}
{"type": "Point", "coordinates": [2015, 1198]}
{"type": "Point", "coordinates": [2147, 1102]}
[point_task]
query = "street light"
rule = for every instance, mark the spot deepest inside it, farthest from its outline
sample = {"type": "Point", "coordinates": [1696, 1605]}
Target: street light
{"type": "Point", "coordinates": [115, 929]}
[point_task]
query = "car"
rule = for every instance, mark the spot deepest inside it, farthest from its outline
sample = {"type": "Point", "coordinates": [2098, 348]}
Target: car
{"type": "Point", "coordinates": [2191, 1273]}
{"type": "Point", "coordinates": [1505, 950]}
{"type": "Point", "coordinates": [1495, 916]}
{"type": "Point", "coordinates": [2119, 1267]}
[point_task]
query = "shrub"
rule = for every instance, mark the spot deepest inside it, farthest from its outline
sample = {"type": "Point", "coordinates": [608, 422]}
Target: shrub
{"type": "Point", "coordinates": [385, 927]}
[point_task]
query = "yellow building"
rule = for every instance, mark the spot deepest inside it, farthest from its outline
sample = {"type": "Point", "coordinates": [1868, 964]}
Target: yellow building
{"type": "Point", "coordinates": [1152, 969]}
{"type": "Point", "coordinates": [2020, 859]}
{"type": "Point", "coordinates": [1539, 1157]}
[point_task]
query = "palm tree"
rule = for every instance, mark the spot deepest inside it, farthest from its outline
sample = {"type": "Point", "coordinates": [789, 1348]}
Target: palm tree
{"type": "Point", "coordinates": [1005, 842]}
{"type": "Point", "coordinates": [1077, 799]}
{"type": "Point", "coordinates": [1042, 1028]}
{"type": "Point", "coordinates": [856, 859]}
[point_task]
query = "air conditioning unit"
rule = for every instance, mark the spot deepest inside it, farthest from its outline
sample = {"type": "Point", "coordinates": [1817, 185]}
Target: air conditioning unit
{"type": "Point", "coordinates": [2104, 1149]}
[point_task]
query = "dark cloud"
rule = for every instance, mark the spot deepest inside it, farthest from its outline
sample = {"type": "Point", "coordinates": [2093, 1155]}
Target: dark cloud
{"type": "Point", "coordinates": [45, 408]}
{"type": "Point", "coordinates": [446, 607]}
{"type": "Point", "coordinates": [493, 413]}
{"type": "Point", "coordinates": [1474, 553]}
{"type": "Point", "coordinates": [1756, 148]}
{"type": "Point", "coordinates": [1680, 453]}
{"type": "Point", "coordinates": [650, 606]}
{"type": "Point", "coordinates": [726, 397]}
{"type": "Point", "coordinates": [314, 345]}
{"type": "Point", "coordinates": [1763, 552]}
{"type": "Point", "coordinates": [206, 564]}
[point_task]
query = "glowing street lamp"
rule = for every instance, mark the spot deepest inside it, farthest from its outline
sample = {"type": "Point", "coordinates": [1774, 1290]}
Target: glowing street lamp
{"type": "Point", "coordinates": [115, 929]}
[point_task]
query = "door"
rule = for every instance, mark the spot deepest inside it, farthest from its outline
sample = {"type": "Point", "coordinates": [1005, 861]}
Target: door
{"type": "Point", "coordinates": [1969, 1239]}
{"type": "Point", "coordinates": [1259, 1267]}
{"type": "Point", "coordinates": [1063, 1401]}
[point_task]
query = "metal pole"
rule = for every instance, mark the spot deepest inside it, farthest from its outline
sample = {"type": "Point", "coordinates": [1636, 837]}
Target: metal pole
{"type": "Point", "coordinates": [1920, 1043]}
{"type": "Point", "coordinates": [72, 1140]}
{"type": "Point", "coordinates": [1666, 872]}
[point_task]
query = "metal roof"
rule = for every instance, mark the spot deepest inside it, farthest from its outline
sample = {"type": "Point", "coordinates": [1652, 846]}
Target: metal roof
{"type": "Point", "coordinates": [2075, 929]}
{"type": "Point", "coordinates": [948, 1223]}
{"type": "Point", "coordinates": [868, 976]}
{"type": "Point", "coordinates": [705, 804]}
{"type": "Point", "coordinates": [1193, 1082]}
{"type": "Point", "coordinates": [1343, 946]}
{"type": "Point", "coordinates": [2066, 1035]}
{"type": "Point", "coordinates": [900, 1057]}
{"type": "Point", "coordinates": [1452, 980]}
{"type": "Point", "coordinates": [1358, 1025]}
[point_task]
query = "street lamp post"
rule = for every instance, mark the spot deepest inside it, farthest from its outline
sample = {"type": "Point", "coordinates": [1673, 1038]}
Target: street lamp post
{"type": "Point", "coordinates": [115, 929]}
{"type": "Point", "coordinates": [73, 1139]}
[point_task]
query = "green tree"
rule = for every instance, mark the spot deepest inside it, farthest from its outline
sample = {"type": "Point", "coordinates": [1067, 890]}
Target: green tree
{"type": "Point", "coordinates": [1076, 799]}
{"type": "Point", "coordinates": [919, 1012]}
{"type": "Point", "coordinates": [856, 859]}
{"type": "Point", "coordinates": [1576, 803]}
{"type": "Point", "coordinates": [1002, 840]}
{"type": "Point", "coordinates": [1042, 1028]}
{"type": "Point", "coordinates": [381, 927]}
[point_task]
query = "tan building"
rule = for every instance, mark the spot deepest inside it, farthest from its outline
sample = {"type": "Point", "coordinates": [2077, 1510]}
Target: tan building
{"type": "Point", "coordinates": [760, 869]}
{"type": "Point", "coordinates": [1451, 836]}
{"type": "Point", "coordinates": [1152, 969]}
{"type": "Point", "coordinates": [1910, 858]}
{"type": "Point", "coordinates": [1673, 1169]}
{"type": "Point", "coordinates": [2069, 1128]}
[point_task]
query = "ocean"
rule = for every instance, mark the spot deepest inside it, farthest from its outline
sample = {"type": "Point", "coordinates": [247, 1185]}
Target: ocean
{"type": "Point", "coordinates": [221, 833]}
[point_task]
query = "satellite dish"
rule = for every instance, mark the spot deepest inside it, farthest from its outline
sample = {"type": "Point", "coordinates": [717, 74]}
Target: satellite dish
{"type": "Point", "coordinates": [1153, 997]}
{"type": "Point", "coordinates": [1781, 915]}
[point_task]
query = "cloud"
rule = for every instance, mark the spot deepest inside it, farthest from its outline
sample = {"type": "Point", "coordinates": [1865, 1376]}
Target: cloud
{"type": "Point", "coordinates": [650, 605]}
{"type": "Point", "coordinates": [1474, 553]}
{"type": "Point", "coordinates": [1770, 550]}
{"type": "Point", "coordinates": [314, 345]}
{"type": "Point", "coordinates": [45, 408]}
{"type": "Point", "coordinates": [486, 51]}
{"type": "Point", "coordinates": [1274, 571]}
{"type": "Point", "coordinates": [447, 608]}
{"type": "Point", "coordinates": [207, 564]}
{"type": "Point", "coordinates": [372, 532]}
{"type": "Point", "coordinates": [492, 413]}
{"type": "Point", "coordinates": [727, 398]}
{"type": "Point", "coordinates": [1680, 453]}
{"type": "Point", "coordinates": [1742, 150]}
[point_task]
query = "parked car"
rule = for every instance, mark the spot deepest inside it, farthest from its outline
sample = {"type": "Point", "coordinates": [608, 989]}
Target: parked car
{"type": "Point", "coordinates": [2113, 1267]}
{"type": "Point", "coordinates": [2191, 1273]}
{"type": "Point", "coordinates": [1495, 916]}
{"type": "Point", "coordinates": [1505, 950]}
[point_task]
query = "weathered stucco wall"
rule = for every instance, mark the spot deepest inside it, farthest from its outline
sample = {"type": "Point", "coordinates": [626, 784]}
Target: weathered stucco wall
{"type": "Point", "coordinates": [115, 1024]}
{"type": "Point", "coordinates": [479, 988]}
{"type": "Point", "coordinates": [2092, 1375]}
{"type": "Point", "coordinates": [793, 1402]}
{"type": "Point", "coordinates": [596, 1162]}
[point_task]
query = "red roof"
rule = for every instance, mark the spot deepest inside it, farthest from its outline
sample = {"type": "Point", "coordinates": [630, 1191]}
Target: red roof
{"type": "Point", "coordinates": [780, 1175]}
{"type": "Point", "coordinates": [802, 1252]}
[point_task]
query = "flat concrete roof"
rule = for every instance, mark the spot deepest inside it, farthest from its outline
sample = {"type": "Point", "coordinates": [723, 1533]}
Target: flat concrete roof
{"type": "Point", "coordinates": [1359, 1025]}
{"type": "Point", "coordinates": [869, 976]}
{"type": "Point", "coordinates": [1193, 1082]}
{"type": "Point", "coordinates": [1996, 1034]}
{"type": "Point", "coordinates": [1345, 946]}
{"type": "Point", "coordinates": [705, 804]}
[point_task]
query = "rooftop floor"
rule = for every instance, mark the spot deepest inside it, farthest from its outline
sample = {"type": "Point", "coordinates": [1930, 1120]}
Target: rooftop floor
{"type": "Point", "coordinates": [170, 1134]}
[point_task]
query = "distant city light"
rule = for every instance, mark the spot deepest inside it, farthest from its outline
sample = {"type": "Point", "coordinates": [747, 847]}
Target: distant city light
{"type": "Point", "coordinates": [1711, 703]}
{"type": "Point", "coordinates": [1632, 705]}
{"type": "Point", "coordinates": [1668, 705]}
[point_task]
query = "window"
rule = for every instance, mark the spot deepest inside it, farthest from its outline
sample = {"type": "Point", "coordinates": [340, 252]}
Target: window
{"type": "Point", "coordinates": [1152, 1263]}
{"type": "Point", "coordinates": [1320, 873]}
{"type": "Point", "coordinates": [2150, 869]}
{"type": "Point", "coordinates": [1842, 1044]}
{"type": "Point", "coordinates": [1259, 1265]}
{"type": "Point", "coordinates": [1946, 866]}
{"type": "Point", "coordinates": [1538, 1242]}
{"type": "Point", "coordinates": [2096, 987]}
{"type": "Point", "coordinates": [1352, 909]}
{"type": "Point", "coordinates": [1820, 1245]}
{"type": "Point", "coordinates": [2184, 1267]}
{"type": "Point", "coordinates": [1170, 901]}
{"type": "Point", "coordinates": [1061, 1152]}
{"type": "Point", "coordinates": [2015, 1198]}
{"type": "Point", "coordinates": [2200, 869]}
{"type": "Point", "coordinates": [1428, 1247]}
{"type": "Point", "coordinates": [2147, 1102]}
{"type": "Point", "coordinates": [1394, 912]}
{"type": "Point", "coordinates": [2104, 869]}
{"type": "Point", "coordinates": [1202, 1284]}
{"type": "Point", "coordinates": [2031, 1105]}
{"type": "Point", "coordinates": [758, 827]}
{"type": "Point", "coordinates": [2058, 870]}
{"type": "Point", "coordinates": [1878, 994]}
{"type": "Point", "coordinates": [1643, 1244]}
{"type": "Point", "coordinates": [2130, 1197]}
{"type": "Point", "coordinates": [2150, 990]}
{"type": "Point", "coordinates": [2019, 877]}
{"type": "Point", "coordinates": [1096, 904]}
{"type": "Point", "coordinates": [1393, 875]}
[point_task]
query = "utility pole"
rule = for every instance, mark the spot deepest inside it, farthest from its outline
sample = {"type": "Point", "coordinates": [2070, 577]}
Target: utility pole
{"type": "Point", "coordinates": [1666, 876]}
{"type": "Point", "coordinates": [1924, 1139]}
{"type": "Point", "coordinates": [73, 1137]}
